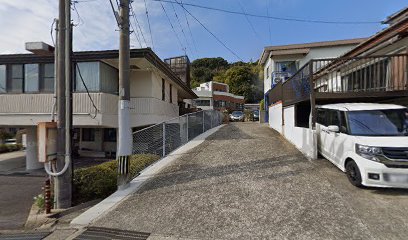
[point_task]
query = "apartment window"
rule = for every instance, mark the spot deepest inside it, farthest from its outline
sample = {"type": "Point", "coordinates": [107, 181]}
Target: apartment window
{"type": "Point", "coordinates": [31, 78]}
{"type": "Point", "coordinates": [89, 71]}
{"type": "Point", "coordinates": [47, 82]}
{"type": "Point", "coordinates": [88, 134]}
{"type": "Point", "coordinates": [202, 102]}
{"type": "Point", "coordinates": [171, 93]}
{"type": "Point", "coordinates": [15, 82]}
{"type": "Point", "coordinates": [163, 90]}
{"type": "Point", "coordinates": [267, 72]}
{"type": "Point", "coordinates": [109, 134]}
{"type": "Point", "coordinates": [2, 78]}
{"type": "Point", "coordinates": [287, 66]}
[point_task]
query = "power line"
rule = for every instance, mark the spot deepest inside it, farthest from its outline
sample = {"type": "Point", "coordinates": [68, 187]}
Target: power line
{"type": "Point", "coordinates": [249, 22]}
{"type": "Point", "coordinates": [80, 20]}
{"type": "Point", "coordinates": [87, 91]}
{"type": "Point", "coordinates": [148, 21]}
{"type": "Point", "coordinates": [174, 30]}
{"type": "Point", "coordinates": [137, 23]}
{"type": "Point", "coordinates": [181, 27]}
{"type": "Point", "coordinates": [212, 34]}
{"type": "Point", "coordinates": [271, 17]}
{"type": "Point", "coordinates": [268, 4]}
{"type": "Point", "coordinates": [189, 29]}
{"type": "Point", "coordinates": [136, 34]}
{"type": "Point", "coordinates": [114, 13]}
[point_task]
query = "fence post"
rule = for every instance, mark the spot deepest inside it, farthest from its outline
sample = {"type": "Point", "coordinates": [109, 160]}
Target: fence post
{"type": "Point", "coordinates": [164, 139]}
{"type": "Point", "coordinates": [187, 126]}
{"type": "Point", "coordinates": [211, 119]}
{"type": "Point", "coordinates": [203, 122]}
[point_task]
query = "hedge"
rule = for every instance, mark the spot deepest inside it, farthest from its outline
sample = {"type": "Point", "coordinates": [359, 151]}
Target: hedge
{"type": "Point", "coordinates": [10, 147]}
{"type": "Point", "coordinates": [100, 181]}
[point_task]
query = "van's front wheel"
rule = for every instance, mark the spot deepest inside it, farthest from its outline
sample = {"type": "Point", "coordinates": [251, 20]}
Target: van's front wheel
{"type": "Point", "coordinates": [353, 173]}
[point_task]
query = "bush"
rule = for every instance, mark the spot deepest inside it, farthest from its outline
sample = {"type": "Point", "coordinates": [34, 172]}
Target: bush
{"type": "Point", "coordinates": [5, 135]}
{"type": "Point", "coordinates": [100, 181]}
{"type": "Point", "coordinates": [10, 147]}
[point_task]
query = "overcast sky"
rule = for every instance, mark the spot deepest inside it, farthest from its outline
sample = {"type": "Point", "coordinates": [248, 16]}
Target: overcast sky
{"type": "Point", "coordinates": [30, 20]}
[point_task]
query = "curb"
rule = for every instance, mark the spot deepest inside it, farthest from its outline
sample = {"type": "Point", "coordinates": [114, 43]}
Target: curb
{"type": "Point", "coordinates": [109, 203]}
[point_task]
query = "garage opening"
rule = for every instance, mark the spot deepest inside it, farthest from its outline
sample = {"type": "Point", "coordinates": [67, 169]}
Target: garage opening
{"type": "Point", "coordinates": [302, 113]}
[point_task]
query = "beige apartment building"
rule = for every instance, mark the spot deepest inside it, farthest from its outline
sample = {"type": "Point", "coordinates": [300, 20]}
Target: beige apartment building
{"type": "Point", "coordinates": [27, 87]}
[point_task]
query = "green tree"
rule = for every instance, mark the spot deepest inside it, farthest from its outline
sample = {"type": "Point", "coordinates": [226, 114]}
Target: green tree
{"type": "Point", "coordinates": [240, 80]}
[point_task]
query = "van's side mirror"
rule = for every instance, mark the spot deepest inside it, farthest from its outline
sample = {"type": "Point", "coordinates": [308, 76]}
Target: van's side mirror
{"type": "Point", "coordinates": [333, 128]}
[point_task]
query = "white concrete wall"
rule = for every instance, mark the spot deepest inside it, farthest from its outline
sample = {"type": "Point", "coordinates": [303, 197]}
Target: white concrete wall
{"type": "Point", "coordinates": [303, 138]}
{"type": "Point", "coordinates": [325, 52]}
{"type": "Point", "coordinates": [32, 150]}
{"type": "Point", "coordinates": [141, 84]}
{"type": "Point", "coordinates": [275, 117]}
{"type": "Point", "coordinates": [267, 79]}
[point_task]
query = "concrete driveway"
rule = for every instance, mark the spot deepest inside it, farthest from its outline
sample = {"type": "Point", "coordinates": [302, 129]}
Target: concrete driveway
{"type": "Point", "coordinates": [247, 182]}
{"type": "Point", "coordinates": [17, 189]}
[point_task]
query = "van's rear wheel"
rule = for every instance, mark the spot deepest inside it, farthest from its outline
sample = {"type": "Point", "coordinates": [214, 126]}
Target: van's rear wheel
{"type": "Point", "coordinates": [353, 173]}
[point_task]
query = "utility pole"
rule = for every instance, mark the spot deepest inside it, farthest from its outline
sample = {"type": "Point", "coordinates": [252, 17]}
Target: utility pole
{"type": "Point", "coordinates": [125, 132]}
{"type": "Point", "coordinates": [63, 183]}
{"type": "Point", "coordinates": [67, 176]}
{"type": "Point", "coordinates": [59, 184]}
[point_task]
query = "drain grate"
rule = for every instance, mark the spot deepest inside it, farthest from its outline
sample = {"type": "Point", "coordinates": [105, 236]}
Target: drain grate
{"type": "Point", "coordinates": [98, 233]}
{"type": "Point", "coordinates": [24, 236]}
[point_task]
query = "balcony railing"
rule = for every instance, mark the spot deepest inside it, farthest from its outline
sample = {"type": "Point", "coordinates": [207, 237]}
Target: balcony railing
{"type": "Point", "coordinates": [344, 78]}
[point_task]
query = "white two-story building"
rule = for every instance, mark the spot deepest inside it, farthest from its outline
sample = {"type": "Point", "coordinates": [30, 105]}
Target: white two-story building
{"type": "Point", "coordinates": [282, 62]}
{"type": "Point", "coordinates": [27, 87]}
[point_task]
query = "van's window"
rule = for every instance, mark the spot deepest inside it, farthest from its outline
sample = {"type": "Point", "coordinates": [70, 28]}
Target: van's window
{"type": "Point", "coordinates": [343, 122]}
{"type": "Point", "coordinates": [321, 116]}
{"type": "Point", "coordinates": [333, 118]}
{"type": "Point", "coordinates": [391, 122]}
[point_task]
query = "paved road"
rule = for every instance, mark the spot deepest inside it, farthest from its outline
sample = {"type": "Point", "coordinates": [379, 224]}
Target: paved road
{"type": "Point", "coordinates": [16, 199]}
{"type": "Point", "coordinates": [17, 189]}
{"type": "Point", "coordinates": [12, 161]}
{"type": "Point", "coordinates": [247, 182]}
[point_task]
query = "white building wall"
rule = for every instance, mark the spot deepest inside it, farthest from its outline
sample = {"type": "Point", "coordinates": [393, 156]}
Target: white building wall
{"type": "Point", "coordinates": [267, 78]}
{"type": "Point", "coordinates": [32, 150]}
{"type": "Point", "coordinates": [325, 52]}
{"type": "Point", "coordinates": [175, 94]}
{"type": "Point", "coordinates": [275, 117]}
{"type": "Point", "coordinates": [141, 84]}
{"type": "Point", "coordinates": [303, 138]}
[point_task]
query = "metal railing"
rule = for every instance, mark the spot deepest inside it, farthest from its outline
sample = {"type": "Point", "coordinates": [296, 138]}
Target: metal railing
{"type": "Point", "coordinates": [163, 138]}
{"type": "Point", "coordinates": [369, 76]}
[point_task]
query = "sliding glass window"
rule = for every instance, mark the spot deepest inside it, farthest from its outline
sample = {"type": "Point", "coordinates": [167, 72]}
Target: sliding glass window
{"type": "Point", "coordinates": [15, 81]}
{"type": "Point", "coordinates": [47, 83]}
{"type": "Point", "coordinates": [3, 78]}
{"type": "Point", "coordinates": [31, 78]}
{"type": "Point", "coordinates": [89, 73]}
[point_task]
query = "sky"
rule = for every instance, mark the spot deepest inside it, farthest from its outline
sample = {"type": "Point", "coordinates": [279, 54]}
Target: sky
{"type": "Point", "coordinates": [244, 37]}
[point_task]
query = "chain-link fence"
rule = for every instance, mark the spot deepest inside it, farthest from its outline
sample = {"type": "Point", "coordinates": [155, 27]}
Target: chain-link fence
{"type": "Point", "coordinates": [163, 138]}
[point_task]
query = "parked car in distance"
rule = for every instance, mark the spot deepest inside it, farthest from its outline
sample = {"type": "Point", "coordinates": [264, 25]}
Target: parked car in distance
{"type": "Point", "coordinates": [255, 115]}
{"type": "Point", "coordinates": [367, 141]}
{"type": "Point", "coordinates": [10, 141]}
{"type": "Point", "coordinates": [237, 116]}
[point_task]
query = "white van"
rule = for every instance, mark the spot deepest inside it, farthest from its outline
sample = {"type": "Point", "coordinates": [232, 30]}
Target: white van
{"type": "Point", "coordinates": [368, 141]}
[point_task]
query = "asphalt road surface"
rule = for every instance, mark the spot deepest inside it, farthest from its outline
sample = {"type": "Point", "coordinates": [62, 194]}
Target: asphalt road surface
{"type": "Point", "coordinates": [247, 182]}
{"type": "Point", "coordinates": [16, 199]}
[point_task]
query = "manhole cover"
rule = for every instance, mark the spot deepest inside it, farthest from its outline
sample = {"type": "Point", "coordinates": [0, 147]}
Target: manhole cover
{"type": "Point", "coordinates": [108, 233]}
{"type": "Point", "coordinates": [24, 236]}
